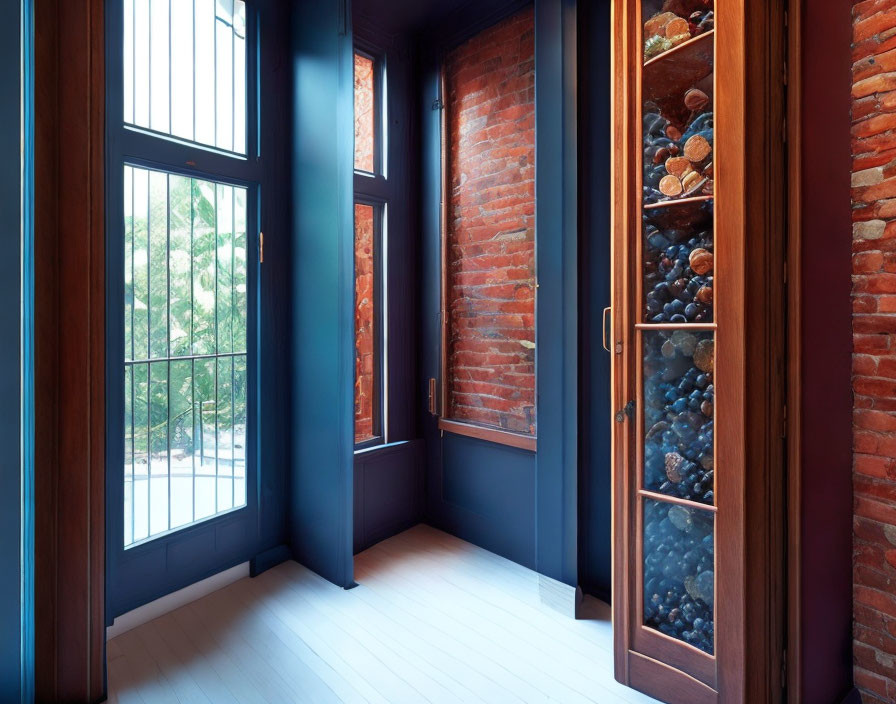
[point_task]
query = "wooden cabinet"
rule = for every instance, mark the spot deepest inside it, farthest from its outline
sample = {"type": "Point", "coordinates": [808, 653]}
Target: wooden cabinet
{"type": "Point", "coordinates": [698, 349]}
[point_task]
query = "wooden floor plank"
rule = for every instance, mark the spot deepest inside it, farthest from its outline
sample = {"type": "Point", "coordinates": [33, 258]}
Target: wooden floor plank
{"type": "Point", "coordinates": [433, 620]}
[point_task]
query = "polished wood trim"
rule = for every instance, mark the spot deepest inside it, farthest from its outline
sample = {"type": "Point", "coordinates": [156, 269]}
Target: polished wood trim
{"type": "Point", "coordinates": [794, 347]}
{"type": "Point", "coordinates": [666, 683]}
{"type": "Point", "coordinates": [70, 351]}
{"type": "Point", "coordinates": [665, 498]}
{"type": "Point", "coordinates": [502, 437]}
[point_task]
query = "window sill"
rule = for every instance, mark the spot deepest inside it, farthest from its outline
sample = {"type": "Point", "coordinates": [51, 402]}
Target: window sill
{"type": "Point", "coordinates": [501, 437]}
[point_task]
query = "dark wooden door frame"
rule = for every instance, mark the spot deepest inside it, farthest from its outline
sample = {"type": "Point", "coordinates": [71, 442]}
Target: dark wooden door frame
{"type": "Point", "coordinates": [69, 349]}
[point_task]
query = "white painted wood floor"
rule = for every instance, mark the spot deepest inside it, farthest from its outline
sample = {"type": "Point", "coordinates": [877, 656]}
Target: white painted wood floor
{"type": "Point", "coordinates": [434, 619]}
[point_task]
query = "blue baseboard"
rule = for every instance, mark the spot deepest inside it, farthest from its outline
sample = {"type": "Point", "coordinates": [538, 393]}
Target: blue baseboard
{"type": "Point", "coordinates": [263, 561]}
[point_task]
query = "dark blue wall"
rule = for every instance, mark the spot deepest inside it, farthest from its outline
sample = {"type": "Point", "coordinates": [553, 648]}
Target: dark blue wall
{"type": "Point", "coordinates": [322, 293]}
{"type": "Point", "coordinates": [595, 488]}
{"type": "Point", "coordinates": [519, 504]}
{"type": "Point", "coordinates": [16, 542]}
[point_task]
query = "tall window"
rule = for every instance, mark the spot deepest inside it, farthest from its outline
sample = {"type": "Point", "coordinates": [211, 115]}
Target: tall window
{"type": "Point", "coordinates": [370, 218]}
{"type": "Point", "coordinates": [489, 335]}
{"type": "Point", "coordinates": [186, 251]}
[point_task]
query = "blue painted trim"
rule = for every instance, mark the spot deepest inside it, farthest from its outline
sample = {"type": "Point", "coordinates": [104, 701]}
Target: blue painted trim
{"type": "Point", "coordinates": [520, 505]}
{"type": "Point", "coordinates": [322, 294]}
{"type": "Point", "coordinates": [263, 561]}
{"type": "Point", "coordinates": [556, 243]}
{"type": "Point", "coordinates": [28, 414]}
{"type": "Point", "coordinates": [595, 488]}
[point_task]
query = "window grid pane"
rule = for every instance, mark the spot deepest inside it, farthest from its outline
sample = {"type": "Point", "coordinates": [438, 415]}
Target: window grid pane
{"type": "Point", "coordinates": [185, 372]}
{"type": "Point", "coordinates": [184, 64]}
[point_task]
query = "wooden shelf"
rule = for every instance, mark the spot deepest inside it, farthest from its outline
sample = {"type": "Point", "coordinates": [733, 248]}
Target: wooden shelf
{"type": "Point", "coordinates": [679, 202]}
{"type": "Point", "coordinates": [679, 49]}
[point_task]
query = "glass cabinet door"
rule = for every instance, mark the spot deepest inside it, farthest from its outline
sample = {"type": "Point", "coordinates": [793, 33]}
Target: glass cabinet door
{"type": "Point", "coordinates": [668, 241]}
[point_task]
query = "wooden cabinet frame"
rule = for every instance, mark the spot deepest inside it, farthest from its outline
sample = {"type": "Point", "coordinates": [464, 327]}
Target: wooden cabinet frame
{"type": "Point", "coordinates": [750, 366]}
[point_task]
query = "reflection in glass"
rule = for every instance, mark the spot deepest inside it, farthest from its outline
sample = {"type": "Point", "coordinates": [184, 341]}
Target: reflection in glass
{"type": "Point", "coordinates": [185, 313]}
{"type": "Point", "coordinates": [679, 579]}
{"type": "Point", "coordinates": [678, 414]}
{"type": "Point", "coordinates": [185, 69]}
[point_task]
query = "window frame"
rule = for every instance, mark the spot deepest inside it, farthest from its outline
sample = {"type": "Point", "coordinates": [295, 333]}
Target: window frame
{"type": "Point", "coordinates": [139, 147]}
{"type": "Point", "coordinates": [372, 188]}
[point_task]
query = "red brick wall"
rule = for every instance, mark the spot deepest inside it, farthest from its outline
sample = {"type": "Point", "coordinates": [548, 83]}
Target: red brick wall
{"type": "Point", "coordinates": [490, 84]}
{"type": "Point", "coordinates": [364, 323]}
{"type": "Point", "coordinates": [874, 352]}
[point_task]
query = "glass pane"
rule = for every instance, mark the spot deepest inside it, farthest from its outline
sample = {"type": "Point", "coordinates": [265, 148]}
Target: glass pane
{"type": "Point", "coordinates": [678, 264]}
{"type": "Point", "coordinates": [158, 264]}
{"type": "Point", "coordinates": [240, 424]}
{"type": "Point", "coordinates": [224, 430]}
{"type": "Point", "coordinates": [240, 282]}
{"type": "Point", "coordinates": [224, 294]}
{"type": "Point", "coordinates": [159, 66]}
{"type": "Point", "coordinates": [180, 423]}
{"type": "Point", "coordinates": [182, 69]}
{"type": "Point", "coordinates": [141, 262]}
{"type": "Point", "coordinates": [679, 579]}
{"type": "Point", "coordinates": [185, 69]}
{"type": "Point", "coordinates": [205, 275]}
{"type": "Point", "coordinates": [678, 414]}
{"type": "Point", "coordinates": [139, 519]}
{"type": "Point", "coordinates": [128, 454]}
{"type": "Point", "coordinates": [664, 29]}
{"type": "Point", "coordinates": [158, 448]}
{"type": "Point", "coordinates": [205, 415]}
{"type": "Point", "coordinates": [365, 330]}
{"type": "Point", "coordinates": [185, 412]}
{"type": "Point", "coordinates": [128, 263]}
{"type": "Point", "coordinates": [180, 293]}
{"type": "Point", "coordinates": [224, 96]}
{"type": "Point", "coordinates": [365, 115]}
{"type": "Point", "coordinates": [141, 63]}
{"type": "Point", "coordinates": [490, 267]}
{"type": "Point", "coordinates": [677, 93]}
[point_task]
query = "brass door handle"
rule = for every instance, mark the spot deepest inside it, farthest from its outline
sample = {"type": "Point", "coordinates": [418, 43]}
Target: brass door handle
{"type": "Point", "coordinates": [606, 311]}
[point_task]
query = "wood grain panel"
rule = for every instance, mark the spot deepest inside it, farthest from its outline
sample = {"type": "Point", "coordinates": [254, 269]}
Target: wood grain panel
{"type": "Point", "coordinates": [70, 344]}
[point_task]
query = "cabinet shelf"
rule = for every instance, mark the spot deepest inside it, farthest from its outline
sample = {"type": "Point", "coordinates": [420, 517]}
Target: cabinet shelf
{"type": "Point", "coordinates": [679, 202]}
{"type": "Point", "coordinates": [683, 48]}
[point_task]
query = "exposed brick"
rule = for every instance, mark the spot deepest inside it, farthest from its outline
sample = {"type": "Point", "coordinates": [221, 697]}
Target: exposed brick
{"type": "Point", "coordinates": [364, 322]}
{"type": "Point", "coordinates": [874, 347]}
{"type": "Point", "coordinates": [491, 226]}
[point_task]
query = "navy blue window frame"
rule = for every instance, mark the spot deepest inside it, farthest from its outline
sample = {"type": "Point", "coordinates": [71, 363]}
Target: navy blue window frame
{"type": "Point", "coordinates": [373, 189]}
{"type": "Point", "coordinates": [149, 569]}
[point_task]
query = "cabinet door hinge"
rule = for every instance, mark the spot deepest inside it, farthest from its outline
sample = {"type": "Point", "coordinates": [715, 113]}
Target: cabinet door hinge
{"type": "Point", "coordinates": [261, 248]}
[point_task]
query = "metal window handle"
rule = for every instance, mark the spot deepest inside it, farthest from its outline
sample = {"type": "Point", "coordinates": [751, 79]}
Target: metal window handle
{"type": "Point", "coordinates": [606, 312]}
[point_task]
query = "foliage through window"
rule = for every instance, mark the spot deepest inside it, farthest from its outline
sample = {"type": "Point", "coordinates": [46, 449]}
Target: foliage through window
{"type": "Point", "coordinates": [185, 374]}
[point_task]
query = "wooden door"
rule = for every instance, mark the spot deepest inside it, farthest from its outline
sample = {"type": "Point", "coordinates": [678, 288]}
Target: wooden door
{"type": "Point", "coordinates": [695, 357]}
